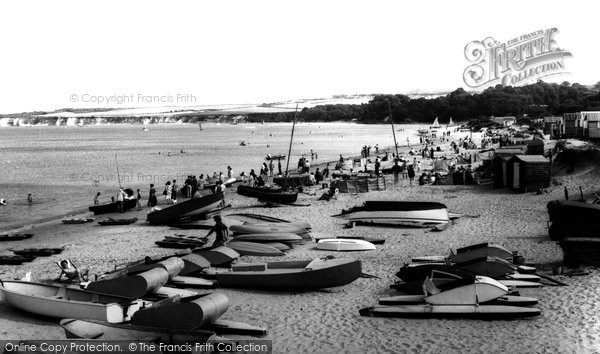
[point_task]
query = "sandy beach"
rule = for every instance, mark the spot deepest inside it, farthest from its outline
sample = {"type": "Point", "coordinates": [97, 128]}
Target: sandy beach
{"type": "Point", "coordinates": [328, 320]}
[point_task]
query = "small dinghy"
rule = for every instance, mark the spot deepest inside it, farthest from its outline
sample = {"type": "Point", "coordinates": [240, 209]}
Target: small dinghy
{"type": "Point", "coordinates": [190, 208]}
{"type": "Point", "coordinates": [291, 275]}
{"type": "Point", "coordinates": [180, 243]}
{"type": "Point", "coordinates": [15, 237]}
{"type": "Point", "coordinates": [254, 249]}
{"type": "Point", "coordinates": [37, 252]}
{"type": "Point", "coordinates": [77, 220]}
{"type": "Point", "coordinates": [373, 240]}
{"type": "Point", "coordinates": [510, 300]}
{"type": "Point", "coordinates": [343, 244]}
{"type": "Point", "coordinates": [112, 221]}
{"type": "Point", "coordinates": [62, 302]}
{"type": "Point", "coordinates": [15, 260]}
{"type": "Point", "coordinates": [267, 228]}
{"type": "Point", "coordinates": [270, 237]}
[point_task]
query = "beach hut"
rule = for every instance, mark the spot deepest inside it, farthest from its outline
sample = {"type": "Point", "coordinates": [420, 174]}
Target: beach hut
{"type": "Point", "coordinates": [500, 167]}
{"type": "Point", "coordinates": [504, 121]}
{"type": "Point", "coordinates": [528, 172]}
{"type": "Point", "coordinates": [553, 126]}
{"type": "Point", "coordinates": [591, 125]}
{"type": "Point", "coordinates": [535, 147]}
{"type": "Point", "coordinates": [573, 125]}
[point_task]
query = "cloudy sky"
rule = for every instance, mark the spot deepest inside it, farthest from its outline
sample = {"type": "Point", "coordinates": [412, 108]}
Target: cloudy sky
{"type": "Point", "coordinates": [263, 51]}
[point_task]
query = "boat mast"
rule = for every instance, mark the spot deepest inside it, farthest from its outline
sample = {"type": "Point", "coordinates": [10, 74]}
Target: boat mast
{"type": "Point", "coordinates": [118, 176]}
{"type": "Point", "coordinates": [287, 166]}
{"type": "Point", "coordinates": [393, 130]}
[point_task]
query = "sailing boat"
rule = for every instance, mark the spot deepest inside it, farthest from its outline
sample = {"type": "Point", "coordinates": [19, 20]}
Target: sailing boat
{"type": "Point", "coordinates": [273, 195]}
{"type": "Point", "coordinates": [450, 123]}
{"type": "Point", "coordinates": [114, 206]}
{"type": "Point", "coordinates": [435, 124]}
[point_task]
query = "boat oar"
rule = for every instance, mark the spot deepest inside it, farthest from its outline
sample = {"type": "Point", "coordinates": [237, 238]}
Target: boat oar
{"type": "Point", "coordinates": [557, 282]}
{"type": "Point", "coordinates": [368, 276]}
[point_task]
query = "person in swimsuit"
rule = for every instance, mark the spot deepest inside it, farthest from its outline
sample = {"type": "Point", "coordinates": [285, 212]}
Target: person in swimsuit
{"type": "Point", "coordinates": [221, 232]}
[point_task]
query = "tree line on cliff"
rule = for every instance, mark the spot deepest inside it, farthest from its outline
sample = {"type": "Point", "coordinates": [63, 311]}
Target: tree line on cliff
{"type": "Point", "coordinates": [536, 100]}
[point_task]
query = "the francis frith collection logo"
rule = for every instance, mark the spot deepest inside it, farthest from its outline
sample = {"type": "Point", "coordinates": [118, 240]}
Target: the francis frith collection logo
{"type": "Point", "coordinates": [519, 61]}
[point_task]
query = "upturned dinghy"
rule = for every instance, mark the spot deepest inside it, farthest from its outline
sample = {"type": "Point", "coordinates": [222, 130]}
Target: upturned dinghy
{"type": "Point", "coordinates": [342, 244]}
{"type": "Point", "coordinates": [267, 228]}
{"type": "Point", "coordinates": [187, 209]}
{"type": "Point", "coordinates": [112, 221]}
{"type": "Point", "coordinates": [219, 256]}
{"type": "Point", "coordinates": [291, 275]}
{"type": "Point", "coordinates": [254, 249]}
{"type": "Point", "coordinates": [416, 214]}
{"type": "Point", "coordinates": [57, 301]}
{"type": "Point", "coordinates": [250, 218]}
{"type": "Point", "coordinates": [15, 237]}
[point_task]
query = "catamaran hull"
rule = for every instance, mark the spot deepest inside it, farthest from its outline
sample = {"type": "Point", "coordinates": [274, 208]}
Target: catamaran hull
{"type": "Point", "coordinates": [485, 312]}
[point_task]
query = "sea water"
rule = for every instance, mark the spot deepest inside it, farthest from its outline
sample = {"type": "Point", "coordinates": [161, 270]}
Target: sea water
{"type": "Point", "coordinates": [64, 167]}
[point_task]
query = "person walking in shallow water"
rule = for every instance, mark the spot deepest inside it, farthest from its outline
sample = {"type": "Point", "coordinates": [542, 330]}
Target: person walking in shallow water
{"type": "Point", "coordinates": [29, 199]}
{"type": "Point", "coordinates": [97, 199]}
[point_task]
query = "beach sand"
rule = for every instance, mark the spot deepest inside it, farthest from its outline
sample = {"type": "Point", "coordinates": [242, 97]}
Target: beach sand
{"type": "Point", "coordinates": [327, 321]}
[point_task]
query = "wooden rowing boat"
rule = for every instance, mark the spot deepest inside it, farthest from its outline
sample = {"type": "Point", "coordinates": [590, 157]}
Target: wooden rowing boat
{"type": "Point", "coordinates": [269, 237]}
{"type": "Point", "coordinates": [293, 275]}
{"type": "Point", "coordinates": [112, 221]}
{"type": "Point", "coordinates": [15, 237]}
{"type": "Point", "coordinates": [469, 253]}
{"type": "Point", "coordinates": [273, 195]}
{"type": "Point", "coordinates": [113, 207]}
{"type": "Point", "coordinates": [186, 209]}
{"type": "Point", "coordinates": [483, 312]}
{"type": "Point", "coordinates": [62, 302]}
{"type": "Point", "coordinates": [249, 218]}
{"type": "Point", "coordinates": [219, 256]}
{"type": "Point", "coordinates": [267, 228]}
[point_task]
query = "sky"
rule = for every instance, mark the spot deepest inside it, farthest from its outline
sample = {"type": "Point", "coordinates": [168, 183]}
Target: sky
{"type": "Point", "coordinates": [57, 54]}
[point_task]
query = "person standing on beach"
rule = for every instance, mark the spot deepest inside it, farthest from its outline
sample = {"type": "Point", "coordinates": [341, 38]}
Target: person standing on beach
{"type": "Point", "coordinates": [377, 165]}
{"type": "Point", "coordinates": [120, 200]}
{"type": "Point", "coordinates": [411, 174]}
{"type": "Point", "coordinates": [97, 199]}
{"type": "Point", "coordinates": [29, 199]}
{"type": "Point", "coordinates": [396, 171]}
{"type": "Point", "coordinates": [279, 166]}
{"type": "Point", "coordinates": [271, 167]}
{"type": "Point", "coordinates": [139, 197]}
{"type": "Point", "coordinates": [174, 192]}
{"type": "Point", "coordinates": [326, 171]}
{"type": "Point", "coordinates": [221, 232]}
{"type": "Point", "coordinates": [152, 200]}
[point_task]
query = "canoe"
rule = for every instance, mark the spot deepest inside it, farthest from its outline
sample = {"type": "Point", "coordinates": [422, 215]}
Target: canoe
{"type": "Point", "coordinates": [484, 312]}
{"type": "Point", "coordinates": [112, 331]}
{"type": "Point", "coordinates": [258, 218]}
{"type": "Point", "coordinates": [416, 214]}
{"type": "Point", "coordinates": [254, 249]}
{"type": "Point", "coordinates": [273, 195]}
{"type": "Point", "coordinates": [57, 301]}
{"type": "Point", "coordinates": [111, 221]}
{"type": "Point", "coordinates": [179, 244]}
{"type": "Point", "coordinates": [189, 208]}
{"type": "Point", "coordinates": [343, 244]}
{"type": "Point", "coordinates": [510, 300]}
{"type": "Point", "coordinates": [219, 256]}
{"type": "Point", "coordinates": [469, 253]}
{"type": "Point", "coordinates": [280, 246]}
{"type": "Point", "coordinates": [15, 237]}
{"type": "Point", "coordinates": [373, 240]}
{"type": "Point", "coordinates": [37, 252]}
{"type": "Point", "coordinates": [267, 228]}
{"type": "Point", "coordinates": [188, 314]}
{"type": "Point", "coordinates": [15, 260]}
{"type": "Point", "coordinates": [138, 285]}
{"type": "Point", "coordinates": [113, 207]}
{"type": "Point", "coordinates": [293, 275]}
{"type": "Point", "coordinates": [77, 220]}
{"type": "Point", "coordinates": [270, 237]}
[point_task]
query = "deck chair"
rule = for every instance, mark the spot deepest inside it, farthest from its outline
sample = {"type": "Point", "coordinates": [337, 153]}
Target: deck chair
{"type": "Point", "coordinates": [70, 271]}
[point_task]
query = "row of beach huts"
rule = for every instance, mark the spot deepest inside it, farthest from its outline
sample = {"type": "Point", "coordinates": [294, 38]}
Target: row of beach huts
{"type": "Point", "coordinates": [585, 124]}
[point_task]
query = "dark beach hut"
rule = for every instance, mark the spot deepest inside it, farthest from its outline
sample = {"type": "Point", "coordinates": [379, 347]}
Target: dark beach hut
{"type": "Point", "coordinates": [535, 147]}
{"type": "Point", "coordinates": [528, 172]}
{"type": "Point", "coordinates": [500, 167]}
